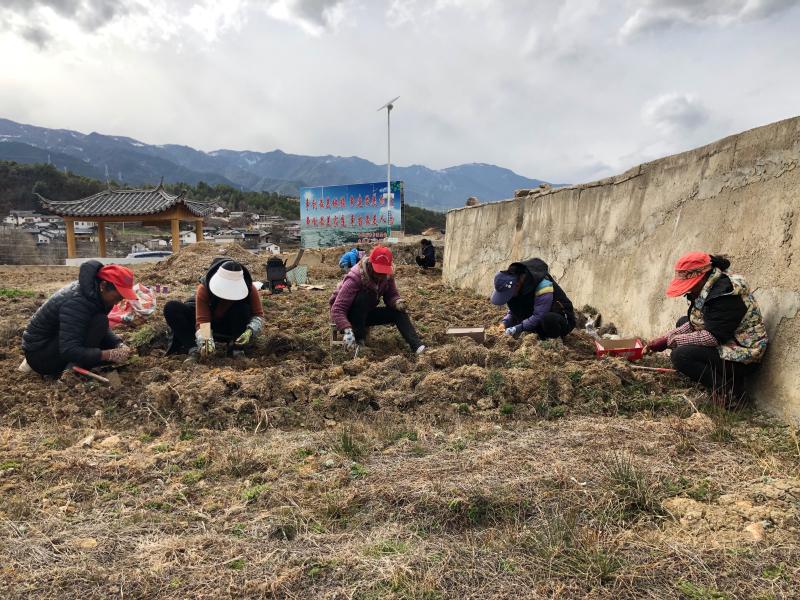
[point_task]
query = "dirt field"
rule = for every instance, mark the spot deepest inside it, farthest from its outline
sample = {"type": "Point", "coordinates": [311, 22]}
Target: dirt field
{"type": "Point", "coordinates": [514, 469]}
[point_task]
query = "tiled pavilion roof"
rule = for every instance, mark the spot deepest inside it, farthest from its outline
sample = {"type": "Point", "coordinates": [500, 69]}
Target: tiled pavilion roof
{"type": "Point", "coordinates": [119, 203]}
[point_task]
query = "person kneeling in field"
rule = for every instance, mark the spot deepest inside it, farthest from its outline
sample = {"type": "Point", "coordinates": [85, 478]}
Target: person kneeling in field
{"type": "Point", "coordinates": [723, 338]}
{"type": "Point", "coordinates": [349, 259]}
{"type": "Point", "coordinates": [354, 304]}
{"type": "Point", "coordinates": [536, 303]}
{"type": "Point", "coordinates": [226, 308]}
{"type": "Point", "coordinates": [427, 254]}
{"type": "Point", "coordinates": [71, 328]}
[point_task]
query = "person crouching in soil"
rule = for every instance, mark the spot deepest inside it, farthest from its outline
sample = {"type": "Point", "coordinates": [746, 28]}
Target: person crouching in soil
{"type": "Point", "coordinates": [226, 308]}
{"type": "Point", "coordinates": [354, 304]}
{"type": "Point", "coordinates": [349, 259]}
{"type": "Point", "coordinates": [71, 328]}
{"type": "Point", "coordinates": [427, 255]}
{"type": "Point", "coordinates": [536, 303]}
{"type": "Point", "coordinates": [723, 338]}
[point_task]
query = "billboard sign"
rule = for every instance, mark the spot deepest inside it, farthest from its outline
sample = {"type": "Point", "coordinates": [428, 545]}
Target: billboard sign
{"type": "Point", "coordinates": [348, 214]}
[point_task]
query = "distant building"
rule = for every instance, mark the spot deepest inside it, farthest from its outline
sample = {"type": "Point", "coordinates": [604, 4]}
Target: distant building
{"type": "Point", "coordinates": [229, 236]}
{"type": "Point", "coordinates": [188, 237]}
{"type": "Point", "coordinates": [83, 235]}
{"type": "Point", "coordinates": [156, 244]}
{"type": "Point", "coordinates": [269, 248]}
{"type": "Point", "coordinates": [250, 239]}
{"type": "Point", "coordinates": [18, 218]}
{"type": "Point", "coordinates": [44, 237]}
{"type": "Point", "coordinates": [137, 247]}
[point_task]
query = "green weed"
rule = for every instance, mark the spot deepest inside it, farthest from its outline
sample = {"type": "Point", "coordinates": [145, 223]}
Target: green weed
{"type": "Point", "coordinates": [357, 471]}
{"type": "Point", "coordinates": [16, 293]}
{"type": "Point", "coordinates": [350, 445]}
{"type": "Point", "coordinates": [387, 548]}
{"type": "Point", "coordinates": [630, 485]}
{"type": "Point", "coordinates": [237, 564]}
{"type": "Point", "coordinates": [698, 592]}
{"type": "Point", "coordinates": [252, 493]}
{"type": "Point", "coordinates": [192, 477]}
{"type": "Point", "coordinates": [494, 383]}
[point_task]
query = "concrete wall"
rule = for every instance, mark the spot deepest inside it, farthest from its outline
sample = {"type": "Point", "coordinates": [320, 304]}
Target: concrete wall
{"type": "Point", "coordinates": [613, 243]}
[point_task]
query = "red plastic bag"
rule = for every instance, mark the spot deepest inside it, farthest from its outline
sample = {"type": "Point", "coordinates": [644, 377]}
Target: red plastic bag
{"type": "Point", "coordinates": [126, 311]}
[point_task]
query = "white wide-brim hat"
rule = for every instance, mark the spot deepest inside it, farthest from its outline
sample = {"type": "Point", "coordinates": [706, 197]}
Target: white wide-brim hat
{"type": "Point", "coordinates": [228, 285]}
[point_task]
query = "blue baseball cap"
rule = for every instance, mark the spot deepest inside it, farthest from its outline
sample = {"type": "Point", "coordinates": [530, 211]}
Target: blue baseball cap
{"type": "Point", "coordinates": [504, 287]}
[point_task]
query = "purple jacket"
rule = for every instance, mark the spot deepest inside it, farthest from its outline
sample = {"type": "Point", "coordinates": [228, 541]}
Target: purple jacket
{"type": "Point", "coordinates": [529, 309]}
{"type": "Point", "coordinates": [354, 282]}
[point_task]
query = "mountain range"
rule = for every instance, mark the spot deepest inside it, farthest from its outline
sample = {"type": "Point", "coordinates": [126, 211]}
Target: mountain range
{"type": "Point", "coordinates": [131, 162]}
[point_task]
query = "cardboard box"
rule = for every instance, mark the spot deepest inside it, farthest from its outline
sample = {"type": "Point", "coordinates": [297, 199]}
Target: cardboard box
{"type": "Point", "coordinates": [476, 333]}
{"type": "Point", "coordinates": [631, 349]}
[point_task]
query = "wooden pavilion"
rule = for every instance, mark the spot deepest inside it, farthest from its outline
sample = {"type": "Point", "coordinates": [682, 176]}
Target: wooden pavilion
{"type": "Point", "coordinates": [153, 207]}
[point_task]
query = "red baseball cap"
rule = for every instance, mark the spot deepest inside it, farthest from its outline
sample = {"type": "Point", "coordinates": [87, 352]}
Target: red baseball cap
{"type": "Point", "coordinates": [121, 277]}
{"type": "Point", "coordinates": [381, 260]}
{"type": "Point", "coordinates": [689, 269]}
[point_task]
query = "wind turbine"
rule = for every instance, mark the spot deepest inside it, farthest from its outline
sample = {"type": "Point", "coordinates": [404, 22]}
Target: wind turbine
{"type": "Point", "coordinates": [389, 106]}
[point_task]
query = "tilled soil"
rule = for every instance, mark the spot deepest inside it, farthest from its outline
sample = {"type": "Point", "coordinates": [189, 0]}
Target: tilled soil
{"type": "Point", "coordinates": [505, 469]}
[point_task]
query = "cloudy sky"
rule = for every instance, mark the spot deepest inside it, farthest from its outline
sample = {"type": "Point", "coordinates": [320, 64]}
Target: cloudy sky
{"type": "Point", "coordinates": [563, 90]}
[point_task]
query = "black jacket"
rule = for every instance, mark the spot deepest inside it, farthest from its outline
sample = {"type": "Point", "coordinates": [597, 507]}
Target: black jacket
{"type": "Point", "coordinates": [66, 316]}
{"type": "Point", "coordinates": [534, 270]}
{"type": "Point", "coordinates": [722, 312]}
{"type": "Point", "coordinates": [429, 256]}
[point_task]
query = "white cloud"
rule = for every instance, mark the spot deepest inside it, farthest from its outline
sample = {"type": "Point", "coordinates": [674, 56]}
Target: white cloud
{"type": "Point", "coordinates": [211, 18]}
{"type": "Point", "coordinates": [675, 113]}
{"type": "Point", "coordinates": [37, 21]}
{"type": "Point", "coordinates": [315, 17]}
{"type": "Point", "coordinates": [657, 15]}
{"type": "Point", "coordinates": [538, 86]}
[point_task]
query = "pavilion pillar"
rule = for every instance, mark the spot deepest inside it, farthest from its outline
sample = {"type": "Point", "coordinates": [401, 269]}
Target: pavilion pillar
{"type": "Point", "coordinates": [176, 235]}
{"type": "Point", "coordinates": [101, 239]}
{"type": "Point", "coordinates": [198, 229]}
{"type": "Point", "coordinates": [70, 225]}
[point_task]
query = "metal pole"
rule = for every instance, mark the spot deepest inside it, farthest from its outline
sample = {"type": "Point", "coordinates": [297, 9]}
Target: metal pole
{"type": "Point", "coordinates": [388, 166]}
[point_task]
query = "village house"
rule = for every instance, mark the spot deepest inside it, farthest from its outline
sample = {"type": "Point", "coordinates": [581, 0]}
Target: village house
{"type": "Point", "coordinates": [229, 236]}
{"type": "Point", "coordinates": [157, 244]}
{"type": "Point", "coordinates": [18, 218]}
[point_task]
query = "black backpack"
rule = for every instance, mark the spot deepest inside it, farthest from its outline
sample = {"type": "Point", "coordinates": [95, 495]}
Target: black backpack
{"type": "Point", "coordinates": [276, 275]}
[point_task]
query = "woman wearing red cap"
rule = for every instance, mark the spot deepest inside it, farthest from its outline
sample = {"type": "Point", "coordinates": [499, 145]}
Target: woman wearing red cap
{"type": "Point", "coordinates": [72, 326]}
{"type": "Point", "coordinates": [723, 336]}
{"type": "Point", "coordinates": [354, 304]}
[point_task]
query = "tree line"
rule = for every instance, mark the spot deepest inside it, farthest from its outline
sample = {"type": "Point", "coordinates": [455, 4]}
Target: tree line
{"type": "Point", "coordinates": [19, 184]}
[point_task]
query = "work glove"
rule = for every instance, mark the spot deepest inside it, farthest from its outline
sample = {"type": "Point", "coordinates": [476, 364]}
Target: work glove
{"type": "Point", "coordinates": [206, 346]}
{"type": "Point", "coordinates": [349, 339]}
{"type": "Point", "coordinates": [245, 338]}
{"type": "Point", "coordinates": [116, 355]}
{"type": "Point", "coordinates": [658, 344]}
{"type": "Point", "coordinates": [400, 305]}
{"type": "Point", "coordinates": [514, 332]}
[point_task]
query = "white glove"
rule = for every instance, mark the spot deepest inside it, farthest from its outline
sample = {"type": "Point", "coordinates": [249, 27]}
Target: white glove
{"type": "Point", "coordinates": [349, 339]}
{"type": "Point", "coordinates": [514, 331]}
{"type": "Point", "coordinates": [400, 305]}
{"type": "Point", "coordinates": [206, 346]}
